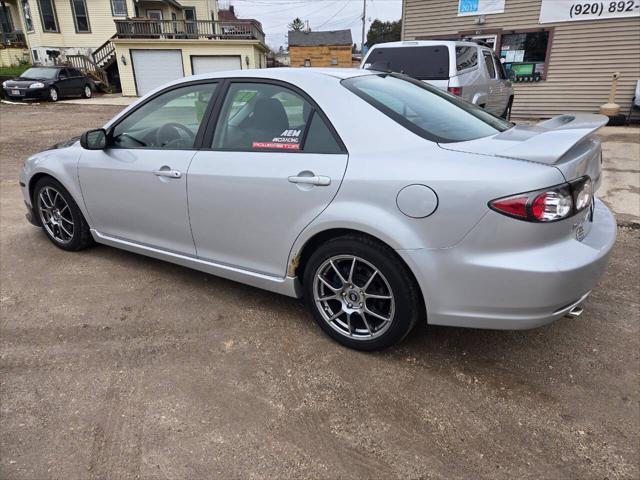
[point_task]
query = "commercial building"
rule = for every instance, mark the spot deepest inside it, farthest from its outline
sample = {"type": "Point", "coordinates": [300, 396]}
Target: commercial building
{"type": "Point", "coordinates": [561, 54]}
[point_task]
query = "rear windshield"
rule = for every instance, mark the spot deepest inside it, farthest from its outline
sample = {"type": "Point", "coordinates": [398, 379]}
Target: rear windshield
{"type": "Point", "coordinates": [425, 110]}
{"type": "Point", "coordinates": [423, 63]}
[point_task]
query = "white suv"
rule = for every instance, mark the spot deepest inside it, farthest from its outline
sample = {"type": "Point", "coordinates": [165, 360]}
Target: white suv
{"type": "Point", "coordinates": [466, 69]}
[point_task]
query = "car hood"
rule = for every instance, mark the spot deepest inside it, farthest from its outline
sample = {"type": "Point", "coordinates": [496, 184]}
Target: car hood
{"type": "Point", "coordinates": [565, 142]}
{"type": "Point", "coordinates": [65, 144]}
{"type": "Point", "coordinates": [24, 82]}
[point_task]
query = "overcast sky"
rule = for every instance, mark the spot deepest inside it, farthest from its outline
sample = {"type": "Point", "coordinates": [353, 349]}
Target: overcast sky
{"type": "Point", "coordinates": [322, 15]}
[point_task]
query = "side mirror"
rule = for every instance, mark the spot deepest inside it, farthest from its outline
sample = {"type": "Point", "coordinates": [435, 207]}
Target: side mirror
{"type": "Point", "coordinates": [94, 139]}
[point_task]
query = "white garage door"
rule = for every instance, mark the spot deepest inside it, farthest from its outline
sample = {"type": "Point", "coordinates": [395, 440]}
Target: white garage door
{"type": "Point", "coordinates": [156, 67]}
{"type": "Point", "coordinates": [206, 64]}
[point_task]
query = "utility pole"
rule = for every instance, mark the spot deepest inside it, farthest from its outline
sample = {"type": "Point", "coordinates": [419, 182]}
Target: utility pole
{"type": "Point", "coordinates": [364, 20]}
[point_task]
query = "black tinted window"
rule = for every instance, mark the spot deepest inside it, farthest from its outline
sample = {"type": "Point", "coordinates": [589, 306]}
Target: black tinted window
{"type": "Point", "coordinates": [488, 60]}
{"type": "Point", "coordinates": [466, 57]}
{"type": "Point", "coordinates": [424, 109]}
{"type": "Point", "coordinates": [319, 138]}
{"type": "Point", "coordinates": [423, 63]}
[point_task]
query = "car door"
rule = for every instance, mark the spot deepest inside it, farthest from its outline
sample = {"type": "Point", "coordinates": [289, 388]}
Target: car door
{"type": "Point", "coordinates": [64, 83]}
{"type": "Point", "coordinates": [503, 85]}
{"type": "Point", "coordinates": [492, 103]}
{"type": "Point", "coordinates": [273, 165]}
{"type": "Point", "coordinates": [136, 188]}
{"type": "Point", "coordinates": [76, 81]}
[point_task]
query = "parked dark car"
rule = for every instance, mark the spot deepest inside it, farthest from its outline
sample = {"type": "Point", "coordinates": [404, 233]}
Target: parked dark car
{"type": "Point", "coordinates": [49, 83]}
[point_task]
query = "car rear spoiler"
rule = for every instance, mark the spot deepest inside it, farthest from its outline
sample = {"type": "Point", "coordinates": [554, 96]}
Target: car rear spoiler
{"type": "Point", "coordinates": [550, 139]}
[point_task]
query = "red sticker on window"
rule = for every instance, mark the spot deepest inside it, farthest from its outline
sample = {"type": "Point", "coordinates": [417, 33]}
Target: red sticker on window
{"type": "Point", "coordinates": [276, 145]}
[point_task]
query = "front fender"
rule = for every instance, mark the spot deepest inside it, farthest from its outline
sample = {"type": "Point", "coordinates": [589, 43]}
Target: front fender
{"type": "Point", "coordinates": [62, 165]}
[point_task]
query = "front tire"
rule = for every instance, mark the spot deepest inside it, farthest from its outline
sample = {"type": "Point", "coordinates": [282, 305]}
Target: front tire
{"type": "Point", "coordinates": [53, 94]}
{"type": "Point", "coordinates": [60, 216]}
{"type": "Point", "coordinates": [87, 92]}
{"type": "Point", "coordinates": [361, 293]}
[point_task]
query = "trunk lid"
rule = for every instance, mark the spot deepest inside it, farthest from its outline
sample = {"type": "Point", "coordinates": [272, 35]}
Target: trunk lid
{"type": "Point", "coordinates": [565, 142]}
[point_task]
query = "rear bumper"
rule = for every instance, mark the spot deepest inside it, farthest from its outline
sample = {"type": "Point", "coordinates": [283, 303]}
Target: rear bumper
{"type": "Point", "coordinates": [508, 288]}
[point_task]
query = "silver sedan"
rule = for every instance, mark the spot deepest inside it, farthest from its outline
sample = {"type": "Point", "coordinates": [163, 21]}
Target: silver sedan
{"type": "Point", "coordinates": [381, 200]}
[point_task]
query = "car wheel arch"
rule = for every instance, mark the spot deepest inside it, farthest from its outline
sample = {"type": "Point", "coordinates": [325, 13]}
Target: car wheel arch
{"type": "Point", "coordinates": [300, 260]}
{"type": "Point", "coordinates": [36, 177]}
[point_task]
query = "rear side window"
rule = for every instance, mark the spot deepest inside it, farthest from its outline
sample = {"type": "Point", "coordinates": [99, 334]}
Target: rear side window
{"type": "Point", "coordinates": [269, 117]}
{"type": "Point", "coordinates": [424, 109]}
{"type": "Point", "coordinates": [488, 60]}
{"type": "Point", "coordinates": [423, 63]}
{"type": "Point", "coordinates": [466, 57]}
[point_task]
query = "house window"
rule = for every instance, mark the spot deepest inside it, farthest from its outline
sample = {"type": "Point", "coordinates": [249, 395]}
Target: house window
{"type": "Point", "coordinates": [26, 13]}
{"type": "Point", "coordinates": [189, 13]}
{"type": "Point", "coordinates": [34, 52]}
{"type": "Point", "coordinates": [334, 61]}
{"type": "Point", "coordinates": [48, 16]}
{"type": "Point", "coordinates": [525, 55]}
{"type": "Point", "coordinates": [307, 62]}
{"type": "Point", "coordinates": [119, 8]}
{"type": "Point", "coordinates": [80, 16]}
{"type": "Point", "coordinates": [5, 20]}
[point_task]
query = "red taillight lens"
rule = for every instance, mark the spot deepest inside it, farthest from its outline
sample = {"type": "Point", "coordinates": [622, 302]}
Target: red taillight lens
{"type": "Point", "coordinates": [455, 91]}
{"type": "Point", "coordinates": [547, 205]}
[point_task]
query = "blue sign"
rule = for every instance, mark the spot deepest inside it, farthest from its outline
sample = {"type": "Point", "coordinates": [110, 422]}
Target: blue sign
{"type": "Point", "coordinates": [468, 6]}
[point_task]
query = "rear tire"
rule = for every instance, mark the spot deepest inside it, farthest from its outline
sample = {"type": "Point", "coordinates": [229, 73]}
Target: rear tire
{"type": "Point", "coordinates": [87, 92]}
{"type": "Point", "coordinates": [356, 307]}
{"type": "Point", "coordinates": [54, 95]}
{"type": "Point", "coordinates": [60, 216]}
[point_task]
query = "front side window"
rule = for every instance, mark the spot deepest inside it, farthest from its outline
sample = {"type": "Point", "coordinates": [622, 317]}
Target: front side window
{"type": "Point", "coordinates": [266, 117]}
{"type": "Point", "coordinates": [80, 16]}
{"type": "Point", "coordinates": [423, 63]}
{"type": "Point", "coordinates": [488, 61]}
{"type": "Point", "coordinates": [48, 16]}
{"type": "Point", "coordinates": [26, 13]}
{"type": "Point", "coordinates": [119, 8]}
{"type": "Point", "coordinates": [424, 109]}
{"type": "Point", "coordinates": [170, 120]}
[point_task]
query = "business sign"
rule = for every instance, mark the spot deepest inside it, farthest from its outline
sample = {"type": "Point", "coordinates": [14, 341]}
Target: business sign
{"type": "Point", "coordinates": [553, 11]}
{"type": "Point", "coordinates": [480, 7]}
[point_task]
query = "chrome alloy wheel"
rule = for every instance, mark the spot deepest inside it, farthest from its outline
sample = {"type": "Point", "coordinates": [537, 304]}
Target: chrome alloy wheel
{"type": "Point", "coordinates": [55, 215]}
{"type": "Point", "coordinates": [87, 91]}
{"type": "Point", "coordinates": [353, 297]}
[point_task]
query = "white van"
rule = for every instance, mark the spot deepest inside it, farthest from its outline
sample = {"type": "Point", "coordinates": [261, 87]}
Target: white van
{"type": "Point", "coordinates": [466, 69]}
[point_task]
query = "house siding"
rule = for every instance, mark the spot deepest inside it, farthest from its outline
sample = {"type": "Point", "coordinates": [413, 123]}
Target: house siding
{"type": "Point", "coordinates": [321, 55]}
{"type": "Point", "coordinates": [583, 56]}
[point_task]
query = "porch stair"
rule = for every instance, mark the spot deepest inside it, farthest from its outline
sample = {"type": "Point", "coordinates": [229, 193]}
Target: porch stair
{"type": "Point", "coordinates": [97, 64]}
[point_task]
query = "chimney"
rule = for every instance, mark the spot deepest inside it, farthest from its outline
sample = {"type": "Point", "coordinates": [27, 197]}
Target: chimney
{"type": "Point", "coordinates": [233, 13]}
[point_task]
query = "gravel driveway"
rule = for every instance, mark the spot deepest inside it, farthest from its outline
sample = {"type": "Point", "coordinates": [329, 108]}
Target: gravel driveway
{"type": "Point", "coordinates": [119, 366]}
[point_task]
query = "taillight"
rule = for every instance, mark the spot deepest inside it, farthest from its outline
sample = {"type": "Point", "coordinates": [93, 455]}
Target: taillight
{"type": "Point", "coordinates": [548, 204]}
{"type": "Point", "coordinates": [455, 91]}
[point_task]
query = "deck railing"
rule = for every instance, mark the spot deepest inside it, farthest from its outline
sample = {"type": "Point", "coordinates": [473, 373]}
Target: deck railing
{"type": "Point", "coordinates": [188, 29]}
{"type": "Point", "coordinates": [13, 39]}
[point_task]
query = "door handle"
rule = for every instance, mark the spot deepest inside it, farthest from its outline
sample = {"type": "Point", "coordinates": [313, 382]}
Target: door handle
{"type": "Point", "coordinates": [167, 172]}
{"type": "Point", "coordinates": [319, 180]}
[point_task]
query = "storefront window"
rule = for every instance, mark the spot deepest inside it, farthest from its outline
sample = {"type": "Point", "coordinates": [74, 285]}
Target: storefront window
{"type": "Point", "coordinates": [524, 55]}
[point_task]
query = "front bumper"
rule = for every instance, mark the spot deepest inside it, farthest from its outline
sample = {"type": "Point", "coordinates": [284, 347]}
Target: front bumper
{"type": "Point", "coordinates": [27, 93]}
{"type": "Point", "coordinates": [511, 288]}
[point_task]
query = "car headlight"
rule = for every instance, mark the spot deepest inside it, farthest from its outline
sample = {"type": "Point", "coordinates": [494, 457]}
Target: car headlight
{"type": "Point", "coordinates": [37, 85]}
{"type": "Point", "coordinates": [4, 84]}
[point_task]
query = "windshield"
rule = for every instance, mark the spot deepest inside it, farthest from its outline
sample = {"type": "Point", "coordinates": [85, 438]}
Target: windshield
{"type": "Point", "coordinates": [40, 74]}
{"type": "Point", "coordinates": [423, 63]}
{"type": "Point", "coordinates": [425, 110]}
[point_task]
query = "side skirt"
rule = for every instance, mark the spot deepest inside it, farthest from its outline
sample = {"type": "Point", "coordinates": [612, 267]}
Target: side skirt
{"type": "Point", "coordinates": [289, 286]}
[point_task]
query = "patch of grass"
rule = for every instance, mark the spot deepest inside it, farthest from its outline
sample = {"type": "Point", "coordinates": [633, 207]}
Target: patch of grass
{"type": "Point", "coordinates": [13, 71]}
